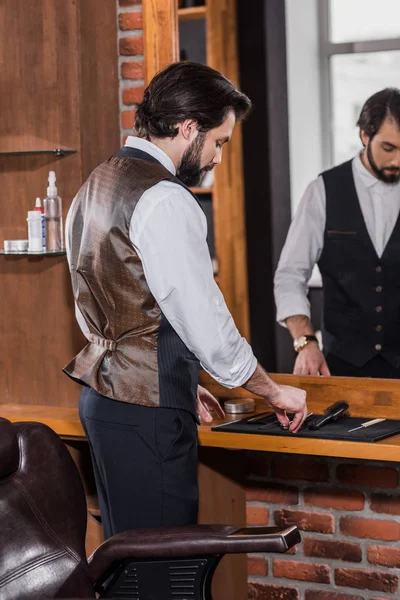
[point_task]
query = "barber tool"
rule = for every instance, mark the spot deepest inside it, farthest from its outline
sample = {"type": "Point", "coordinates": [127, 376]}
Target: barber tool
{"type": "Point", "coordinates": [331, 414]}
{"type": "Point", "coordinates": [282, 425]}
{"type": "Point", "coordinates": [367, 424]}
{"type": "Point", "coordinates": [264, 417]}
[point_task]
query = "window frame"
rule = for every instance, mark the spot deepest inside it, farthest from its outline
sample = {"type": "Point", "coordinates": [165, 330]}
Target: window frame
{"type": "Point", "coordinates": [326, 51]}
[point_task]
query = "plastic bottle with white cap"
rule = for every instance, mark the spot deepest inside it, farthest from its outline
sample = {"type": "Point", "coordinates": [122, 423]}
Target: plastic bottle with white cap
{"type": "Point", "coordinates": [53, 217]}
{"type": "Point", "coordinates": [34, 231]}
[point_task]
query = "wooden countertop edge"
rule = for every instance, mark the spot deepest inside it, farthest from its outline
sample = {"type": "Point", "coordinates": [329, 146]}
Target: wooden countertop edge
{"type": "Point", "coordinates": [68, 426]}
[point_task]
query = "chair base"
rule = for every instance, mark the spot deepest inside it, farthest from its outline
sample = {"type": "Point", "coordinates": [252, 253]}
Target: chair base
{"type": "Point", "coordinates": [162, 579]}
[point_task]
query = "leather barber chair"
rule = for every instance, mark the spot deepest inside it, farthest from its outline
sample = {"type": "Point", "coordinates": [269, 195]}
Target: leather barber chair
{"type": "Point", "coordinates": [43, 526]}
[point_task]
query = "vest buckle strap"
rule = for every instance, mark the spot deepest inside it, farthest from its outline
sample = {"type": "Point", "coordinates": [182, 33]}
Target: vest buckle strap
{"type": "Point", "coordinates": [100, 341]}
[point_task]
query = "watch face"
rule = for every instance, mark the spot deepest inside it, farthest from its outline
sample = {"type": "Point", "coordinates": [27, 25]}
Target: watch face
{"type": "Point", "coordinates": [299, 342]}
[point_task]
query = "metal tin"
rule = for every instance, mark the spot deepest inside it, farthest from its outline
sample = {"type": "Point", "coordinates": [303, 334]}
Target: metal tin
{"type": "Point", "coordinates": [15, 245]}
{"type": "Point", "coordinates": [239, 405]}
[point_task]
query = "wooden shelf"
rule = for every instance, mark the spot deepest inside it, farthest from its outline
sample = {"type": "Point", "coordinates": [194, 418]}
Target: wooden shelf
{"type": "Point", "coordinates": [53, 151]}
{"type": "Point", "coordinates": [191, 14]}
{"type": "Point", "coordinates": [34, 254]}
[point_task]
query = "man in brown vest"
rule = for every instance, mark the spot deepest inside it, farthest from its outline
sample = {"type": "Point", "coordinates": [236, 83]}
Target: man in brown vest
{"type": "Point", "coordinates": [149, 307]}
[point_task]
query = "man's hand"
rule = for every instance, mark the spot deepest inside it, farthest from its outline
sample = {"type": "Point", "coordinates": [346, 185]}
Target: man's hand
{"type": "Point", "coordinates": [291, 399]}
{"type": "Point", "coordinates": [205, 403]}
{"type": "Point", "coordinates": [310, 361]}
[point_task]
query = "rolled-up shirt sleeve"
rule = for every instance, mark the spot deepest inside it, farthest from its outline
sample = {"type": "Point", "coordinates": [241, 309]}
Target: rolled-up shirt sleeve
{"type": "Point", "coordinates": [300, 253]}
{"type": "Point", "coordinates": [170, 237]}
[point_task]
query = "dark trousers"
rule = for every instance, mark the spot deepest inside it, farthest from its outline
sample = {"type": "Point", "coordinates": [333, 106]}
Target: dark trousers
{"type": "Point", "coordinates": [377, 367]}
{"type": "Point", "coordinates": [144, 460]}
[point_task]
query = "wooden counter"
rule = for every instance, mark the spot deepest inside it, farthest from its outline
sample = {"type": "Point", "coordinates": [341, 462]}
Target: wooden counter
{"type": "Point", "coordinates": [65, 422]}
{"type": "Point", "coordinates": [368, 398]}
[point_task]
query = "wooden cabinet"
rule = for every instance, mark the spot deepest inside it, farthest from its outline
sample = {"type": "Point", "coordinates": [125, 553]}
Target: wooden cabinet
{"type": "Point", "coordinates": [208, 33]}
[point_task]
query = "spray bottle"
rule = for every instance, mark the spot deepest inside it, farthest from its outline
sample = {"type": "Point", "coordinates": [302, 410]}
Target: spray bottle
{"type": "Point", "coordinates": [53, 217]}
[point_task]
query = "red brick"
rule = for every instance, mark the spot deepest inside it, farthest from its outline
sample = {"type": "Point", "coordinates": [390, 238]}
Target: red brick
{"type": "Point", "coordinates": [299, 468]}
{"type": "Point", "coordinates": [300, 571]}
{"type": "Point", "coordinates": [381, 503]}
{"type": "Point", "coordinates": [130, 20]}
{"type": "Point", "coordinates": [257, 515]}
{"type": "Point", "coordinates": [132, 70]}
{"type": "Point", "coordinates": [130, 46]}
{"type": "Point", "coordinates": [339, 499]}
{"type": "Point", "coordinates": [128, 119]}
{"type": "Point", "coordinates": [333, 549]}
{"type": "Point", "coordinates": [257, 565]}
{"type": "Point", "coordinates": [132, 95]}
{"type": "Point", "coordinates": [367, 580]}
{"type": "Point", "coordinates": [263, 591]}
{"type": "Point", "coordinates": [370, 528]}
{"type": "Point", "coordinates": [380, 477]}
{"type": "Point", "coordinates": [272, 492]}
{"type": "Point", "coordinates": [387, 556]}
{"type": "Point", "coordinates": [129, 2]}
{"type": "Point", "coordinates": [322, 595]}
{"type": "Point", "coordinates": [306, 521]}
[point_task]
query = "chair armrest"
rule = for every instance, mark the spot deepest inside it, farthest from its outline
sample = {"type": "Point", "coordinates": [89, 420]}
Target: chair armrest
{"type": "Point", "coordinates": [198, 540]}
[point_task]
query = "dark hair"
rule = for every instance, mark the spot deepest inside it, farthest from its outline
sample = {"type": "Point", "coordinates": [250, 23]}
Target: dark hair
{"type": "Point", "coordinates": [385, 103]}
{"type": "Point", "coordinates": [188, 90]}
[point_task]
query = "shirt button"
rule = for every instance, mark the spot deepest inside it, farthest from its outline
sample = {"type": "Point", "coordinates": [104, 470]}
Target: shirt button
{"type": "Point", "coordinates": [378, 308]}
{"type": "Point", "coordinates": [378, 328]}
{"type": "Point", "coordinates": [378, 269]}
{"type": "Point", "coordinates": [378, 347]}
{"type": "Point", "coordinates": [378, 288]}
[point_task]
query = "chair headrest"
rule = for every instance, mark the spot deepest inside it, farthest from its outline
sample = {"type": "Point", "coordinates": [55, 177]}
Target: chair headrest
{"type": "Point", "coordinates": [9, 449]}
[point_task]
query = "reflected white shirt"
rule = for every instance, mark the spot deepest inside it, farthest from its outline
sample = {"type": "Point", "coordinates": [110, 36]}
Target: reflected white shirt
{"type": "Point", "coordinates": [380, 206]}
{"type": "Point", "coordinates": [168, 230]}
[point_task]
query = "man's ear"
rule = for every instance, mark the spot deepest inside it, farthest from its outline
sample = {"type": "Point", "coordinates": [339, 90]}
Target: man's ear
{"type": "Point", "coordinates": [364, 138]}
{"type": "Point", "coordinates": [188, 129]}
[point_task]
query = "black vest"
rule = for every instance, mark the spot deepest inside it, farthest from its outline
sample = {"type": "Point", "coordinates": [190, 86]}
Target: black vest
{"type": "Point", "coordinates": [361, 307]}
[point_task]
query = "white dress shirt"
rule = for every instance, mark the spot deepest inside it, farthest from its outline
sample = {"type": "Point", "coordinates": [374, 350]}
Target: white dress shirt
{"type": "Point", "coordinates": [380, 206]}
{"type": "Point", "coordinates": [169, 230]}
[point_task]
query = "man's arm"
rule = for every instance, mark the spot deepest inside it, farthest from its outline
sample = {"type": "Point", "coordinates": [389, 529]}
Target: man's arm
{"type": "Point", "coordinates": [169, 232]}
{"type": "Point", "coordinates": [310, 360]}
{"type": "Point", "coordinates": [281, 398]}
{"type": "Point", "coordinates": [301, 252]}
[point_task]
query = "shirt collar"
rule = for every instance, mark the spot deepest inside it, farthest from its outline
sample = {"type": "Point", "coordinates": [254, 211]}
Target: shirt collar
{"type": "Point", "coordinates": [367, 178]}
{"type": "Point", "coordinates": [153, 150]}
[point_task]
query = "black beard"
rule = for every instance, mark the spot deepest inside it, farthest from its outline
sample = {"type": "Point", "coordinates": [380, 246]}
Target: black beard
{"type": "Point", "coordinates": [190, 172]}
{"type": "Point", "coordinates": [380, 173]}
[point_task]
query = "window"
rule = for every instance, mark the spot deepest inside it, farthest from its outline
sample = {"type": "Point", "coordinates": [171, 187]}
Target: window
{"type": "Point", "coordinates": [360, 55]}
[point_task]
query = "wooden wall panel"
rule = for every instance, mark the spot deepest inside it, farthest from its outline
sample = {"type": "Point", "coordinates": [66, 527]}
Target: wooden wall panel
{"type": "Point", "coordinates": [228, 197]}
{"type": "Point", "coordinates": [98, 92]}
{"type": "Point", "coordinates": [160, 33]}
{"type": "Point", "coordinates": [59, 82]}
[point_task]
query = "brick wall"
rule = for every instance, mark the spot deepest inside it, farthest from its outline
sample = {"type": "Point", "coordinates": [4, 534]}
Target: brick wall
{"type": "Point", "coordinates": [130, 48]}
{"type": "Point", "coordinates": [349, 516]}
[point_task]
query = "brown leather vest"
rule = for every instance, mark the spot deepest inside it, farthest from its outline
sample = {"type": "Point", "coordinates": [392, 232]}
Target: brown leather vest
{"type": "Point", "coordinates": [122, 359]}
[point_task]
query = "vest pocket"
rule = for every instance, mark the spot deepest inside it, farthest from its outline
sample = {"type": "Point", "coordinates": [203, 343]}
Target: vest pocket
{"type": "Point", "coordinates": [334, 234]}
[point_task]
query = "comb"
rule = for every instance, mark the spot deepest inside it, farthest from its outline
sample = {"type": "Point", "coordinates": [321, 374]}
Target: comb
{"type": "Point", "coordinates": [331, 414]}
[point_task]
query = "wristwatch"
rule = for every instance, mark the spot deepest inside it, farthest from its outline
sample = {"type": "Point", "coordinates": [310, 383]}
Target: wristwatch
{"type": "Point", "coordinates": [302, 341]}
